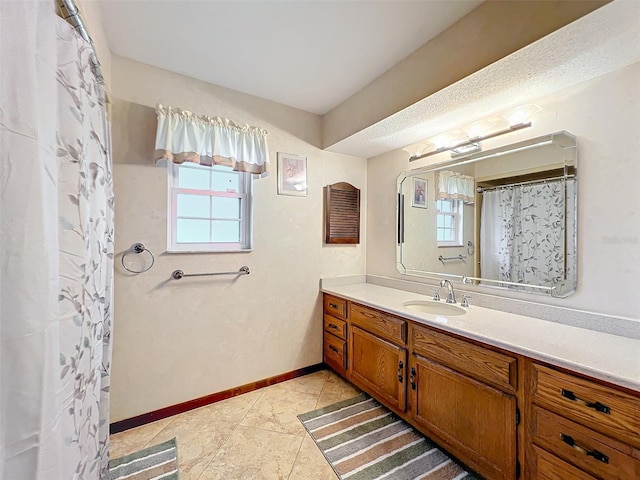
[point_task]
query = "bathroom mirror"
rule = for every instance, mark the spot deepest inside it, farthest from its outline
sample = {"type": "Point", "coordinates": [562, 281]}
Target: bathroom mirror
{"type": "Point", "coordinates": [502, 218]}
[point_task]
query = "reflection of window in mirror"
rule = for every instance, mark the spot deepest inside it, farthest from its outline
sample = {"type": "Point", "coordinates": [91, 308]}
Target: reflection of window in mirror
{"type": "Point", "coordinates": [449, 223]}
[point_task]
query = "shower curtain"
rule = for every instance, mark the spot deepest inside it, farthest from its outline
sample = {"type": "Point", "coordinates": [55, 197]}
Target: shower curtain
{"type": "Point", "coordinates": [56, 255]}
{"type": "Point", "coordinates": [522, 233]}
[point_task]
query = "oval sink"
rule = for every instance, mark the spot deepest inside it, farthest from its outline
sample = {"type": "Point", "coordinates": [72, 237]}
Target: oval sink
{"type": "Point", "coordinates": [435, 308]}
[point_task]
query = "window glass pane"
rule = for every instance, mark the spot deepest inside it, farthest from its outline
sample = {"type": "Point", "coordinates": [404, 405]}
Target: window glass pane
{"type": "Point", "coordinates": [448, 221]}
{"type": "Point", "coordinates": [194, 206]}
{"type": "Point", "coordinates": [226, 231]}
{"type": "Point", "coordinates": [225, 181]}
{"type": "Point", "coordinates": [193, 231]}
{"type": "Point", "coordinates": [190, 177]}
{"type": "Point", "coordinates": [440, 221]}
{"type": "Point", "coordinates": [226, 207]}
{"type": "Point", "coordinates": [446, 206]}
{"type": "Point", "coordinates": [445, 235]}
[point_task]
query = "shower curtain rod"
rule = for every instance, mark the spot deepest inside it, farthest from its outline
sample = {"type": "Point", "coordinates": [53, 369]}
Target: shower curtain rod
{"type": "Point", "coordinates": [69, 12]}
{"type": "Point", "coordinates": [530, 182]}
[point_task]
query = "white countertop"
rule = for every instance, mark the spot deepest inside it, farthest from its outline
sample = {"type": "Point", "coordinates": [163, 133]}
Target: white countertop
{"type": "Point", "coordinates": [600, 355]}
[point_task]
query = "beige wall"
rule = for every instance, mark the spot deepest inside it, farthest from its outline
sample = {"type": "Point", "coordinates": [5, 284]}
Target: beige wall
{"type": "Point", "coordinates": [178, 340]}
{"type": "Point", "coordinates": [603, 113]}
{"type": "Point", "coordinates": [490, 32]}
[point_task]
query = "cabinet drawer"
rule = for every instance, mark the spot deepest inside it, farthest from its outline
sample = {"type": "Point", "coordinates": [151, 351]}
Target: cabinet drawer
{"type": "Point", "coordinates": [481, 363]}
{"type": "Point", "coordinates": [335, 352]}
{"type": "Point", "coordinates": [338, 307]}
{"type": "Point", "coordinates": [385, 326]}
{"type": "Point", "coordinates": [590, 451]}
{"type": "Point", "coordinates": [549, 467]}
{"type": "Point", "coordinates": [601, 408]}
{"type": "Point", "coordinates": [335, 326]}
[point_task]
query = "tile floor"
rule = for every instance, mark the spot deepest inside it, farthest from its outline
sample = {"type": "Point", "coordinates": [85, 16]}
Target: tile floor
{"type": "Point", "coordinates": [255, 436]}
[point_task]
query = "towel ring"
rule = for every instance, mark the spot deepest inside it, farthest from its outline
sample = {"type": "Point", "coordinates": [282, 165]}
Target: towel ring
{"type": "Point", "coordinates": [138, 248]}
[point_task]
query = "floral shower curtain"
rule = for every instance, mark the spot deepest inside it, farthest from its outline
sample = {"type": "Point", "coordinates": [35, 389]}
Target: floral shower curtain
{"type": "Point", "coordinates": [56, 255]}
{"type": "Point", "coordinates": [522, 234]}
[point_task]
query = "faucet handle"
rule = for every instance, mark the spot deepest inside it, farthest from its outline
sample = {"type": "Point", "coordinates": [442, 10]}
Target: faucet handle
{"type": "Point", "coordinates": [465, 301]}
{"type": "Point", "coordinates": [436, 295]}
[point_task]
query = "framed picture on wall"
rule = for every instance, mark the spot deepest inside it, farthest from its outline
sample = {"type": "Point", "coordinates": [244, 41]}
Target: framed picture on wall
{"type": "Point", "coordinates": [419, 196]}
{"type": "Point", "coordinates": [292, 174]}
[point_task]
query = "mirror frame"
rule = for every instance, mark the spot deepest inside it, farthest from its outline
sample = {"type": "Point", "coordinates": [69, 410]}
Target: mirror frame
{"type": "Point", "coordinates": [562, 138]}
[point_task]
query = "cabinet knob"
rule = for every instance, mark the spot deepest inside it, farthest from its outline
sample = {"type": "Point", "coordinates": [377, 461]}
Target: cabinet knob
{"type": "Point", "coordinates": [412, 378]}
{"type": "Point", "coordinates": [333, 349]}
{"type": "Point", "coordinates": [400, 367]}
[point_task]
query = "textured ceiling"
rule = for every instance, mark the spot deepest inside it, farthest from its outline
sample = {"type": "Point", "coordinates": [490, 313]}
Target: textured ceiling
{"type": "Point", "coordinates": [601, 42]}
{"type": "Point", "coordinates": [311, 54]}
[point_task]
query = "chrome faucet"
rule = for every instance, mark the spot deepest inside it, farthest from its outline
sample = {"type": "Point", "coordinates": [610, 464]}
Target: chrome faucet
{"type": "Point", "coordinates": [451, 296]}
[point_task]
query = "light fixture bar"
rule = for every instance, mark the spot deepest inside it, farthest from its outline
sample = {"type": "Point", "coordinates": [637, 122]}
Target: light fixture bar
{"type": "Point", "coordinates": [471, 141]}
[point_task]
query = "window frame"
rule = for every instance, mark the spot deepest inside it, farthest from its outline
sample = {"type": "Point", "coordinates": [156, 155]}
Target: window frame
{"type": "Point", "coordinates": [458, 215]}
{"type": "Point", "coordinates": [245, 183]}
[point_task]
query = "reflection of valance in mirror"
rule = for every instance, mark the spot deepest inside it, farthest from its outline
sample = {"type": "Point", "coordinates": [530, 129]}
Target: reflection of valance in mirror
{"type": "Point", "coordinates": [184, 137]}
{"type": "Point", "coordinates": [454, 186]}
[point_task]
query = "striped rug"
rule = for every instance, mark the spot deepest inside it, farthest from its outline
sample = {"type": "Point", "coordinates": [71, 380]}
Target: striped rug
{"type": "Point", "coordinates": [159, 462]}
{"type": "Point", "coordinates": [362, 440]}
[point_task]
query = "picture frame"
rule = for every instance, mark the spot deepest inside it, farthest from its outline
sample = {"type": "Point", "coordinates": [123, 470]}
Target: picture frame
{"type": "Point", "coordinates": [292, 174]}
{"type": "Point", "coordinates": [419, 193]}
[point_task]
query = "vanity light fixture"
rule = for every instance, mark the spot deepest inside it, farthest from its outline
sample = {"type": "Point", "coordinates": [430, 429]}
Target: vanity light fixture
{"type": "Point", "coordinates": [467, 139]}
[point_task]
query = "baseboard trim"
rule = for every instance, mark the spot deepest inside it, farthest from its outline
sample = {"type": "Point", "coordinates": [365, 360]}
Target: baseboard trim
{"type": "Point", "coordinates": [145, 418]}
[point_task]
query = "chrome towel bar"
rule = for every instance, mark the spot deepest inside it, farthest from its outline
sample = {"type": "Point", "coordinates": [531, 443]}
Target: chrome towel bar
{"type": "Point", "coordinates": [459, 257]}
{"type": "Point", "coordinates": [178, 274]}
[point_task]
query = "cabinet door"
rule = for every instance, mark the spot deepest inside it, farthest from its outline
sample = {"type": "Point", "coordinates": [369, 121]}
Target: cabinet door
{"type": "Point", "coordinates": [379, 367]}
{"type": "Point", "coordinates": [475, 421]}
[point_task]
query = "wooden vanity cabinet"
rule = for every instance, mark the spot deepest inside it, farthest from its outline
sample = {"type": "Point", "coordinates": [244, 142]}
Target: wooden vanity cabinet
{"type": "Point", "coordinates": [581, 428]}
{"type": "Point", "coordinates": [474, 419]}
{"type": "Point", "coordinates": [379, 367]}
{"type": "Point", "coordinates": [336, 334]}
{"type": "Point", "coordinates": [378, 355]}
{"type": "Point", "coordinates": [469, 397]}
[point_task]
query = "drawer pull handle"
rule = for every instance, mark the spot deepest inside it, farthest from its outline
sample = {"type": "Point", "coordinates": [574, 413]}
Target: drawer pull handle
{"type": "Point", "coordinates": [400, 366]}
{"type": "Point", "coordinates": [601, 457]}
{"type": "Point", "coordinates": [412, 378]}
{"type": "Point", "coordinates": [595, 405]}
{"type": "Point", "coordinates": [333, 349]}
{"type": "Point", "coordinates": [333, 305]}
{"type": "Point", "coordinates": [334, 326]}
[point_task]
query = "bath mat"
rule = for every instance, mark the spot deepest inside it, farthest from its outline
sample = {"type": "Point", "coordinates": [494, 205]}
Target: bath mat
{"type": "Point", "coordinates": [159, 462]}
{"type": "Point", "coordinates": [362, 440]}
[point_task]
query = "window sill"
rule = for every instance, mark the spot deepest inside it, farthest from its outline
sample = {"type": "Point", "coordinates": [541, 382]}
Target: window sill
{"type": "Point", "coordinates": [236, 250]}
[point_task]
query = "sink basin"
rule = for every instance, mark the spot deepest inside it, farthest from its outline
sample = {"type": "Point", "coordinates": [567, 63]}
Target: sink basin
{"type": "Point", "coordinates": [435, 308]}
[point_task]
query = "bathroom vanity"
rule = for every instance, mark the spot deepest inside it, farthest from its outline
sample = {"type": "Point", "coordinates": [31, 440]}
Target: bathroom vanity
{"type": "Point", "coordinates": [508, 395]}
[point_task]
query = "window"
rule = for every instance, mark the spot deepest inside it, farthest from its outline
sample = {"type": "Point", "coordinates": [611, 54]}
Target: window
{"type": "Point", "coordinates": [449, 223]}
{"type": "Point", "coordinates": [209, 209]}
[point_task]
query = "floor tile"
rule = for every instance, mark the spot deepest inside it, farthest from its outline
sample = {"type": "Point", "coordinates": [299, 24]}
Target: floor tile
{"type": "Point", "coordinates": [254, 454]}
{"type": "Point", "coordinates": [311, 383]}
{"type": "Point", "coordinates": [311, 464]}
{"type": "Point", "coordinates": [198, 437]}
{"type": "Point", "coordinates": [336, 385]}
{"type": "Point", "coordinates": [256, 435]}
{"type": "Point", "coordinates": [232, 409]}
{"type": "Point", "coordinates": [277, 409]}
{"type": "Point", "coordinates": [135, 439]}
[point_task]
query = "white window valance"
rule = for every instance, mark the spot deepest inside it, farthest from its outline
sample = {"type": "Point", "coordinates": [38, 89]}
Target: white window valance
{"type": "Point", "coordinates": [455, 186]}
{"type": "Point", "coordinates": [185, 137]}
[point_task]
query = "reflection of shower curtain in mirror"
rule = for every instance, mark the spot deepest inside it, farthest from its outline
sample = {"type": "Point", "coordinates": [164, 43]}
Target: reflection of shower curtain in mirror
{"type": "Point", "coordinates": [522, 232]}
{"type": "Point", "coordinates": [56, 260]}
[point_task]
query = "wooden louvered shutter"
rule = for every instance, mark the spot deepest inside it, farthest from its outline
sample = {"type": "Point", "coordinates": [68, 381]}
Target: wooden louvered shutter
{"type": "Point", "coordinates": [342, 215]}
